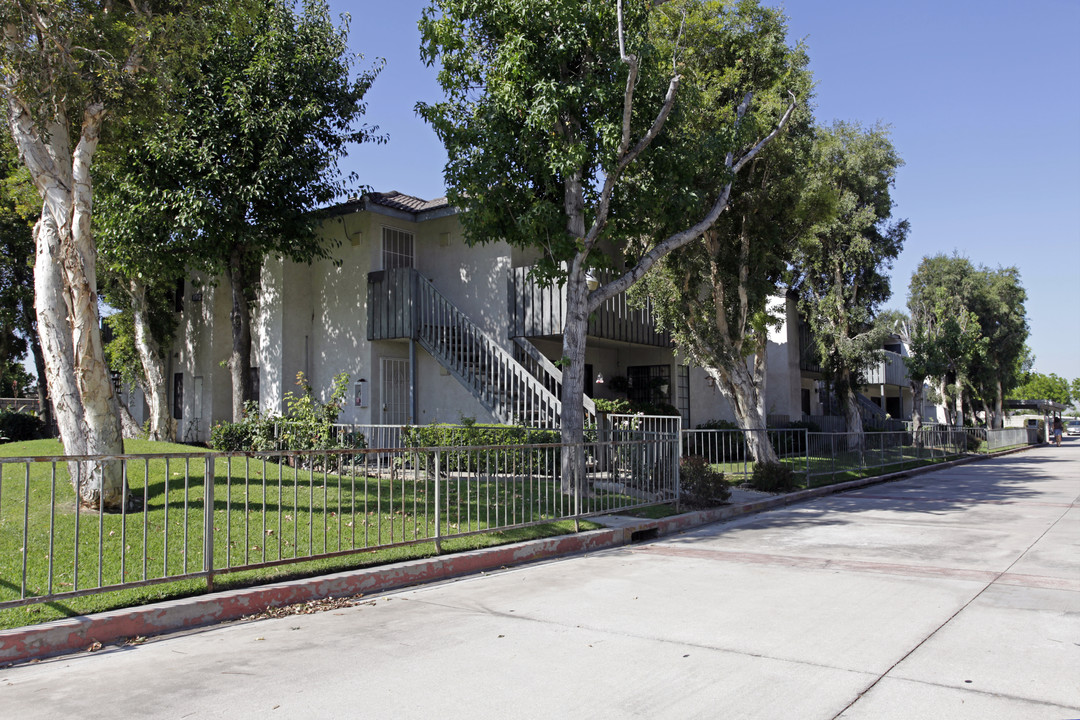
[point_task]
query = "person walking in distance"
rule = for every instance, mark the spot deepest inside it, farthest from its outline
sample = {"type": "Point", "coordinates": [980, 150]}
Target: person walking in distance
{"type": "Point", "coordinates": [1057, 431]}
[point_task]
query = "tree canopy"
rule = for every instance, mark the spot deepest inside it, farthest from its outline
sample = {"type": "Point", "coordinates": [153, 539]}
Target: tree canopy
{"type": "Point", "coordinates": [841, 270]}
{"type": "Point", "coordinates": [552, 116]}
{"type": "Point", "coordinates": [970, 329]}
{"type": "Point", "coordinates": [245, 147]}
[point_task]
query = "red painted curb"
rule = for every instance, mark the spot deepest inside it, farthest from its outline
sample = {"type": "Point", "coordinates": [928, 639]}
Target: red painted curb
{"type": "Point", "coordinates": [79, 633]}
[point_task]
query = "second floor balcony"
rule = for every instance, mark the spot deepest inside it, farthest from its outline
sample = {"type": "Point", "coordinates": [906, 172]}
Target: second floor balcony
{"type": "Point", "coordinates": [538, 310]}
{"type": "Point", "coordinates": [891, 370]}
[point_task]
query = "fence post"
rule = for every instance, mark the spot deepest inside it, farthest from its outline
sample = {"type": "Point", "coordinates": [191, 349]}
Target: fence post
{"type": "Point", "coordinates": [438, 505]}
{"type": "Point", "coordinates": [806, 449]}
{"type": "Point", "coordinates": [208, 522]}
{"type": "Point", "coordinates": [678, 464]}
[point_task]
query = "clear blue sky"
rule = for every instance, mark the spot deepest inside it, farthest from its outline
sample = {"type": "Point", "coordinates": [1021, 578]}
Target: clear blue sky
{"type": "Point", "coordinates": [984, 103]}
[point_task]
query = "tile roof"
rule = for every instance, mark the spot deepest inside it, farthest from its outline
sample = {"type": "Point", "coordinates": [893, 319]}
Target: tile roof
{"type": "Point", "coordinates": [407, 203]}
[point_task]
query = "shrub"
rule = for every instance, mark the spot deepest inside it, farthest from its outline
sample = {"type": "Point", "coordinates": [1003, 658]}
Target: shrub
{"type": "Point", "coordinates": [309, 424]}
{"type": "Point", "coordinates": [450, 436]}
{"type": "Point", "coordinates": [232, 437]}
{"type": "Point", "coordinates": [18, 426]}
{"type": "Point", "coordinates": [628, 407]}
{"type": "Point", "coordinates": [717, 425]}
{"type": "Point", "coordinates": [773, 477]}
{"type": "Point", "coordinates": [728, 446]}
{"type": "Point", "coordinates": [699, 484]}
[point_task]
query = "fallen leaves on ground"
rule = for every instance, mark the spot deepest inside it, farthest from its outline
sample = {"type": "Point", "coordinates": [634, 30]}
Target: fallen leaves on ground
{"type": "Point", "coordinates": [306, 608]}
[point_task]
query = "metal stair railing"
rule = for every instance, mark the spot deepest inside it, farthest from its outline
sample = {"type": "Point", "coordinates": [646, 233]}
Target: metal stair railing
{"type": "Point", "coordinates": [495, 378]}
{"type": "Point", "coordinates": [549, 375]}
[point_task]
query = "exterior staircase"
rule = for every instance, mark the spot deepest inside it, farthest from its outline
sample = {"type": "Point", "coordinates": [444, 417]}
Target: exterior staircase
{"type": "Point", "coordinates": [404, 304]}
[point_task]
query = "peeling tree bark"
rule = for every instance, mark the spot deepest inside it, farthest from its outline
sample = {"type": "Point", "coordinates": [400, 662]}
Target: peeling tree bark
{"type": "Point", "coordinates": [162, 424]}
{"type": "Point", "coordinates": [85, 405]}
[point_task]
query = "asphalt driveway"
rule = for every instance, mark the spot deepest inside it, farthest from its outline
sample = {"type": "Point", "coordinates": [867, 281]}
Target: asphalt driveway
{"type": "Point", "coordinates": [954, 594]}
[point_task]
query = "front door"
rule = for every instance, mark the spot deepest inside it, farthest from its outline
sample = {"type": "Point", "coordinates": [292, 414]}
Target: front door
{"type": "Point", "coordinates": [395, 391]}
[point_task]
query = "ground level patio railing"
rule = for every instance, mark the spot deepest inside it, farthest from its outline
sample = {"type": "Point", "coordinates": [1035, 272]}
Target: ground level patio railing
{"type": "Point", "coordinates": [201, 515]}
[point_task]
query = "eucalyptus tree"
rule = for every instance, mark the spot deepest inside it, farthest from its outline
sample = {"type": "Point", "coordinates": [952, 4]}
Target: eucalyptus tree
{"type": "Point", "coordinates": [551, 112]}
{"type": "Point", "coordinates": [248, 147]}
{"type": "Point", "coordinates": [720, 295]}
{"type": "Point", "coordinates": [1003, 320]}
{"type": "Point", "coordinates": [843, 260]}
{"type": "Point", "coordinates": [67, 66]}
{"type": "Point", "coordinates": [973, 321]}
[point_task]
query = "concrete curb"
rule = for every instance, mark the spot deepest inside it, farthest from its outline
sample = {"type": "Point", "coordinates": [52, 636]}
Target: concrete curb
{"type": "Point", "coordinates": [117, 626]}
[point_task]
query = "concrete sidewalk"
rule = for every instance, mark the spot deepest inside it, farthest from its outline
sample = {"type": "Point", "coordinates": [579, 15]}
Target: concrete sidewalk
{"type": "Point", "coordinates": [951, 594]}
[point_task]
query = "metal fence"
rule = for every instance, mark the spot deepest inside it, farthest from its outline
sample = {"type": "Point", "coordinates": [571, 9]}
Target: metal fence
{"type": "Point", "coordinates": [201, 515]}
{"type": "Point", "coordinates": [206, 514]}
{"type": "Point", "coordinates": [815, 455]}
{"type": "Point", "coordinates": [730, 450]}
{"type": "Point", "coordinates": [845, 454]}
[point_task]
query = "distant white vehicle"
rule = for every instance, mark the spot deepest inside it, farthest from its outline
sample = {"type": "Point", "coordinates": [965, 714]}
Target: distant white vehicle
{"type": "Point", "coordinates": [1072, 427]}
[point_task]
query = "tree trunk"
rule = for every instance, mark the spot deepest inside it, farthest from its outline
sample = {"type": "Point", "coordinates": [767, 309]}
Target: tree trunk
{"type": "Point", "coordinates": [572, 423]}
{"type": "Point", "coordinates": [852, 418]}
{"type": "Point", "coordinates": [98, 484]}
{"type": "Point", "coordinates": [946, 403]}
{"type": "Point", "coordinates": [745, 392]}
{"type": "Point", "coordinates": [130, 428]}
{"type": "Point", "coordinates": [162, 424]}
{"type": "Point", "coordinates": [959, 401]}
{"type": "Point", "coordinates": [84, 402]}
{"type": "Point", "coordinates": [240, 281]}
{"type": "Point", "coordinates": [45, 411]}
{"type": "Point", "coordinates": [999, 412]}
{"type": "Point", "coordinates": [916, 405]}
{"type": "Point", "coordinates": [916, 411]}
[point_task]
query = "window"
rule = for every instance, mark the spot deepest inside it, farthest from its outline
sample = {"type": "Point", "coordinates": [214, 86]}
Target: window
{"type": "Point", "coordinates": [649, 383]}
{"type": "Point", "coordinates": [397, 248]}
{"type": "Point", "coordinates": [178, 296]}
{"type": "Point", "coordinates": [682, 397]}
{"type": "Point", "coordinates": [178, 396]}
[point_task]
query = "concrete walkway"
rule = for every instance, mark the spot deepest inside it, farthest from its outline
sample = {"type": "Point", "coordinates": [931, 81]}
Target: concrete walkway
{"type": "Point", "coordinates": [953, 594]}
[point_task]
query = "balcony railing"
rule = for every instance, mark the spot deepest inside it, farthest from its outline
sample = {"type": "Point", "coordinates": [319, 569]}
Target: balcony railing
{"type": "Point", "coordinates": [538, 310]}
{"type": "Point", "coordinates": [890, 371]}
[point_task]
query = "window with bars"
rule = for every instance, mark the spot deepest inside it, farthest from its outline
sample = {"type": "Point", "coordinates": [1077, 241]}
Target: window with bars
{"type": "Point", "coordinates": [649, 383]}
{"type": "Point", "coordinates": [397, 248]}
{"type": "Point", "coordinates": [683, 394]}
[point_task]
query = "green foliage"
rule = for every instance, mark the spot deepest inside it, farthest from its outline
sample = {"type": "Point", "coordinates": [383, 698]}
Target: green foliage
{"type": "Point", "coordinates": [713, 294]}
{"type": "Point", "coordinates": [622, 406]}
{"type": "Point", "coordinates": [474, 435]}
{"type": "Point", "coordinates": [308, 424]}
{"type": "Point", "coordinates": [244, 146]}
{"type": "Point", "coordinates": [1037, 386]}
{"type": "Point", "coordinates": [773, 477]}
{"type": "Point", "coordinates": [699, 484]}
{"type": "Point", "coordinates": [843, 261]}
{"type": "Point", "coordinates": [18, 320]}
{"type": "Point", "coordinates": [18, 426]}
{"type": "Point", "coordinates": [968, 327]}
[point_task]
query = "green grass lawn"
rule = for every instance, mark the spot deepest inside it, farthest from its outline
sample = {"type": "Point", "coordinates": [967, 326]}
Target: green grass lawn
{"type": "Point", "coordinates": [843, 466]}
{"type": "Point", "coordinates": [264, 513]}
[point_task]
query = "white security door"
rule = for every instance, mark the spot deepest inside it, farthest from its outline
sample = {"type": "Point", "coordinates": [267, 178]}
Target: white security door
{"type": "Point", "coordinates": [395, 391]}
